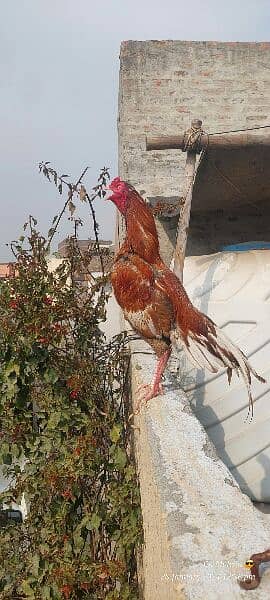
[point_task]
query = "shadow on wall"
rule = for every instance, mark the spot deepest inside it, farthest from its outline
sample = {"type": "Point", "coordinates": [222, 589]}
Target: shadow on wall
{"type": "Point", "coordinates": [264, 461]}
{"type": "Point", "coordinates": [198, 381]}
{"type": "Point", "coordinates": [198, 395]}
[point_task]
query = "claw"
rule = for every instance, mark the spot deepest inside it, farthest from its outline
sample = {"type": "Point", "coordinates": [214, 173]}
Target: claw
{"type": "Point", "coordinates": [143, 386]}
{"type": "Point", "coordinates": [151, 391]}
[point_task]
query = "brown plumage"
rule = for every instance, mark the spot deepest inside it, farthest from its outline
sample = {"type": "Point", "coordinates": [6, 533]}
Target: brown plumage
{"type": "Point", "coordinates": [155, 303]}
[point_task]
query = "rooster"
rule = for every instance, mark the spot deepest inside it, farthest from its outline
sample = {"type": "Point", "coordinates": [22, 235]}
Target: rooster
{"type": "Point", "coordinates": [156, 304]}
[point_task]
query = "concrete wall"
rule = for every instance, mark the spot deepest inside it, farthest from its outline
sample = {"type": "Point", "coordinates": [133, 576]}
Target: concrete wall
{"type": "Point", "coordinates": [163, 86]}
{"type": "Point", "coordinates": [199, 528]}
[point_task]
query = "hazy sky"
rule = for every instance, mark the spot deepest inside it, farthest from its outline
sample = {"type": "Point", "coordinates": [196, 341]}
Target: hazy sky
{"type": "Point", "coordinates": [59, 86]}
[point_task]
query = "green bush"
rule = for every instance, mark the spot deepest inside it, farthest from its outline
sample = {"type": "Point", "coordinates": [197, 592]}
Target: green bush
{"type": "Point", "coordinates": [65, 437]}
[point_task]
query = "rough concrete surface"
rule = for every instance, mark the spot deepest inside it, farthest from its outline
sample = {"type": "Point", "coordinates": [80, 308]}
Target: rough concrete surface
{"type": "Point", "coordinates": [199, 528]}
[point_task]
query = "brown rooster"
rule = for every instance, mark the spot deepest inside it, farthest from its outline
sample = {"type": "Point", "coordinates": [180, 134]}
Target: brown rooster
{"type": "Point", "coordinates": [155, 303]}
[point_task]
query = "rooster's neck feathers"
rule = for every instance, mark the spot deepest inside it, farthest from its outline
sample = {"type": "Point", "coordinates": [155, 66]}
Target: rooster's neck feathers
{"type": "Point", "coordinates": [141, 234]}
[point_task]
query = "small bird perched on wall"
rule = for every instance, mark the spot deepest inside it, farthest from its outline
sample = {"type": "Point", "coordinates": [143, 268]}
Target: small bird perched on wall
{"type": "Point", "coordinates": [156, 304]}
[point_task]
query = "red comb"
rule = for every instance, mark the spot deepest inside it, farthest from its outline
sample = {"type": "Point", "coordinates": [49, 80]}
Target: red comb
{"type": "Point", "coordinates": [114, 182]}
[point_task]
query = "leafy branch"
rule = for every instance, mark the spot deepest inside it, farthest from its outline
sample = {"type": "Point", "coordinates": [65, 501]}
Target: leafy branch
{"type": "Point", "coordinates": [66, 439]}
{"type": "Point", "coordinates": [76, 190]}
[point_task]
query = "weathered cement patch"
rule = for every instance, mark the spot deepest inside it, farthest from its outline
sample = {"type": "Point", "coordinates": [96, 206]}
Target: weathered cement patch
{"type": "Point", "coordinates": [199, 527]}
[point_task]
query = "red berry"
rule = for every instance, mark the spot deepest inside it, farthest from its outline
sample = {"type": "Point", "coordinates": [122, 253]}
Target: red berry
{"type": "Point", "coordinates": [47, 300]}
{"type": "Point", "coordinates": [13, 304]}
{"type": "Point", "coordinates": [67, 494]}
{"type": "Point", "coordinates": [74, 394]}
{"type": "Point", "coordinates": [85, 585]}
{"type": "Point", "coordinates": [43, 340]}
{"type": "Point", "coordinates": [66, 591]}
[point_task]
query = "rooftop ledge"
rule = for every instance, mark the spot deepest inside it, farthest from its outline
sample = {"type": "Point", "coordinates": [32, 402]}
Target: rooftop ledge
{"type": "Point", "coordinates": [199, 527]}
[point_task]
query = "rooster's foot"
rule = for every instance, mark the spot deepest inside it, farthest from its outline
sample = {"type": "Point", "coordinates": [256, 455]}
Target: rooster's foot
{"type": "Point", "coordinates": [145, 393]}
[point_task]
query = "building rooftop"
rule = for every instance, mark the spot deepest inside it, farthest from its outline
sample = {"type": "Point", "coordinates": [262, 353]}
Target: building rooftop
{"type": "Point", "coordinates": [6, 270]}
{"type": "Point", "coordinates": [84, 245]}
{"type": "Point", "coordinates": [94, 265]}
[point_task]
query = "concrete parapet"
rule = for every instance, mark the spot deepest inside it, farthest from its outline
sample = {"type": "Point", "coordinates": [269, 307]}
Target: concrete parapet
{"type": "Point", "coordinates": [199, 528]}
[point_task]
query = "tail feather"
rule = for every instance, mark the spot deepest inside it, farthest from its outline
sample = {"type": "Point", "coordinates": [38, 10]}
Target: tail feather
{"type": "Point", "coordinates": [199, 358]}
{"type": "Point", "coordinates": [208, 347]}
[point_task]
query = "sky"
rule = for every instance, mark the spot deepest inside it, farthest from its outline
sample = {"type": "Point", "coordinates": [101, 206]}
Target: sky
{"type": "Point", "coordinates": [59, 89]}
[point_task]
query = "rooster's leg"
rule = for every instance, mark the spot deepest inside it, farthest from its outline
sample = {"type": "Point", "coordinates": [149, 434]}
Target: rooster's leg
{"type": "Point", "coordinates": [153, 390]}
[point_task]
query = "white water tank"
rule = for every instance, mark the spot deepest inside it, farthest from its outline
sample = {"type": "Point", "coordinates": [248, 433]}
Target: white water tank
{"type": "Point", "coordinates": [233, 289]}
